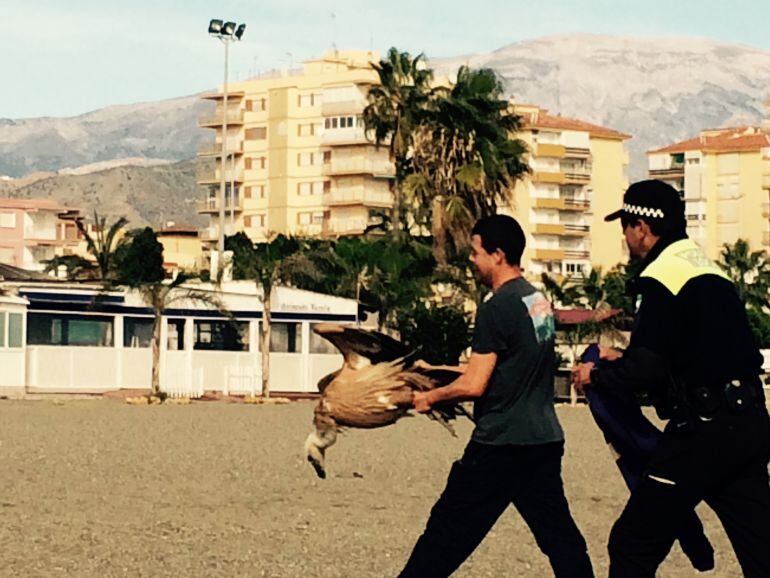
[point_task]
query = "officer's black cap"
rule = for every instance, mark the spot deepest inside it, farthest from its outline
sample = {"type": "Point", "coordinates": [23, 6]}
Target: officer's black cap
{"type": "Point", "coordinates": [651, 200]}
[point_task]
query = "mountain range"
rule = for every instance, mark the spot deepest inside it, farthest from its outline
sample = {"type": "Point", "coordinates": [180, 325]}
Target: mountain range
{"type": "Point", "coordinates": [660, 90]}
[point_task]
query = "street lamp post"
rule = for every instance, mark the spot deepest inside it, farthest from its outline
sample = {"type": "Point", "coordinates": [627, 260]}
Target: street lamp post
{"type": "Point", "coordinates": [226, 32]}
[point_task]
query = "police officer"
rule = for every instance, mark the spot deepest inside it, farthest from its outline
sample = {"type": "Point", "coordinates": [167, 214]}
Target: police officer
{"type": "Point", "coordinates": [692, 353]}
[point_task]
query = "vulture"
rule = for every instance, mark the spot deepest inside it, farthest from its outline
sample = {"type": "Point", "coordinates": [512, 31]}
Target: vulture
{"type": "Point", "coordinates": [373, 388]}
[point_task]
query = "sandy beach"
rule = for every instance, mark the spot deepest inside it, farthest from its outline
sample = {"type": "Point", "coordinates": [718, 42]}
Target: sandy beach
{"type": "Point", "coordinates": [96, 487]}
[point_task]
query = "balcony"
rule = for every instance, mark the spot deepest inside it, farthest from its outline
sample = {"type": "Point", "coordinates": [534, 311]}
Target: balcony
{"type": "Point", "coordinates": [562, 204]}
{"type": "Point", "coordinates": [235, 95]}
{"type": "Point", "coordinates": [576, 174]}
{"type": "Point", "coordinates": [548, 177]}
{"type": "Point", "coordinates": [212, 177]}
{"type": "Point", "coordinates": [358, 196]}
{"type": "Point", "coordinates": [214, 120]}
{"type": "Point", "coordinates": [563, 230]}
{"type": "Point", "coordinates": [360, 166]}
{"type": "Point", "coordinates": [577, 153]}
{"type": "Point", "coordinates": [577, 254]}
{"type": "Point", "coordinates": [212, 205]}
{"type": "Point", "coordinates": [549, 255]}
{"type": "Point", "coordinates": [345, 136]}
{"type": "Point", "coordinates": [550, 150]}
{"type": "Point", "coordinates": [343, 107]}
{"type": "Point", "coordinates": [215, 149]}
{"type": "Point", "coordinates": [333, 227]}
{"type": "Point", "coordinates": [675, 170]}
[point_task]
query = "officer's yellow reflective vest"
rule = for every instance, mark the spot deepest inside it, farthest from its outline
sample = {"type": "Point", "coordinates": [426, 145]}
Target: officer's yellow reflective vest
{"type": "Point", "coordinates": [680, 262]}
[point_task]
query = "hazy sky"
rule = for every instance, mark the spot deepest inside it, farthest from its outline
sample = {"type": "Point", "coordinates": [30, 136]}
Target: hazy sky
{"type": "Point", "coordinates": [67, 57]}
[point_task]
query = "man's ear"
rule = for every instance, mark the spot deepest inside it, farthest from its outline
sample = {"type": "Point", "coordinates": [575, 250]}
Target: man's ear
{"type": "Point", "coordinates": [499, 256]}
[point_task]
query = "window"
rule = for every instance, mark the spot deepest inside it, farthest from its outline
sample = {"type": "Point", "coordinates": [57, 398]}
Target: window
{"type": "Point", "coordinates": [15, 329]}
{"type": "Point", "coordinates": [304, 100]}
{"type": "Point", "coordinates": [305, 159]}
{"type": "Point", "coordinates": [318, 218]}
{"type": "Point", "coordinates": [255, 192]}
{"type": "Point", "coordinates": [8, 220]}
{"type": "Point", "coordinates": [221, 335]}
{"type": "Point", "coordinates": [254, 221]}
{"type": "Point", "coordinates": [318, 188]}
{"type": "Point", "coordinates": [137, 332]}
{"type": "Point", "coordinates": [175, 340]}
{"type": "Point", "coordinates": [327, 157]}
{"type": "Point", "coordinates": [2, 328]}
{"type": "Point", "coordinates": [80, 330]}
{"type": "Point", "coordinates": [258, 133]}
{"type": "Point", "coordinates": [285, 337]}
{"type": "Point", "coordinates": [304, 189]}
{"type": "Point", "coordinates": [320, 345]}
{"type": "Point", "coordinates": [258, 104]}
{"type": "Point", "coordinates": [306, 129]}
{"type": "Point", "coordinates": [304, 218]}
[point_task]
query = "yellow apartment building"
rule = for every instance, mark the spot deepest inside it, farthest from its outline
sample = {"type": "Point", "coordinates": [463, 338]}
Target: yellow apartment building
{"type": "Point", "coordinates": [182, 247]}
{"type": "Point", "coordinates": [298, 161]}
{"type": "Point", "coordinates": [723, 176]}
{"type": "Point", "coordinates": [578, 176]}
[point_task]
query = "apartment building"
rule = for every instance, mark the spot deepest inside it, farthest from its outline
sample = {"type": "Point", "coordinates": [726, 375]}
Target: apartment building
{"type": "Point", "coordinates": [723, 176]}
{"type": "Point", "coordinates": [298, 161]}
{"type": "Point", "coordinates": [297, 158]}
{"type": "Point", "coordinates": [578, 175]}
{"type": "Point", "coordinates": [35, 230]}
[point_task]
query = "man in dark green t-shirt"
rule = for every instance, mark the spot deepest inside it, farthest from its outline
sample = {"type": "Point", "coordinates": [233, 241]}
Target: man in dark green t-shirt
{"type": "Point", "coordinates": [514, 455]}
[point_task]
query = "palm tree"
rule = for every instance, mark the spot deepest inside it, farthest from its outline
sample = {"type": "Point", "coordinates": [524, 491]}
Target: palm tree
{"type": "Point", "coordinates": [749, 270]}
{"type": "Point", "coordinates": [104, 242]}
{"type": "Point", "coordinates": [282, 260]}
{"type": "Point", "coordinates": [394, 110]}
{"type": "Point", "coordinates": [465, 158]}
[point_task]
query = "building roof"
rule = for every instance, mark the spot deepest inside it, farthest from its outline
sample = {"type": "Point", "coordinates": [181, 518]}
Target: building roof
{"type": "Point", "coordinates": [33, 204]}
{"type": "Point", "coordinates": [11, 273]}
{"type": "Point", "coordinates": [539, 118]}
{"type": "Point", "coordinates": [733, 139]}
{"type": "Point", "coordinates": [178, 229]}
{"type": "Point", "coordinates": [577, 316]}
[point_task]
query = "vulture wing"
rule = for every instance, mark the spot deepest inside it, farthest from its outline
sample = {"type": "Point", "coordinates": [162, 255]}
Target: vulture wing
{"type": "Point", "coordinates": [361, 347]}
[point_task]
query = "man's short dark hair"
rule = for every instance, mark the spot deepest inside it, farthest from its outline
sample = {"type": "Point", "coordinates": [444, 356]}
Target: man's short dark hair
{"type": "Point", "coordinates": [504, 233]}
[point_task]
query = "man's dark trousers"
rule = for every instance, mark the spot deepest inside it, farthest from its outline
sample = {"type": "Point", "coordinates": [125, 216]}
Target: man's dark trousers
{"type": "Point", "coordinates": [480, 487]}
{"type": "Point", "coordinates": [722, 462]}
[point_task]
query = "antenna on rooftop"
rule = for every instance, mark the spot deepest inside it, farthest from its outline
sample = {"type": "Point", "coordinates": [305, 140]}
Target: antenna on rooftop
{"type": "Point", "coordinates": [334, 32]}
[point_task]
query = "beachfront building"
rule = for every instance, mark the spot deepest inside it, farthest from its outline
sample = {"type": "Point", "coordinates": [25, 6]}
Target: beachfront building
{"type": "Point", "coordinates": [723, 176]}
{"type": "Point", "coordinates": [35, 230]}
{"type": "Point", "coordinates": [578, 175]}
{"type": "Point", "coordinates": [297, 158]}
{"type": "Point", "coordinates": [299, 161]}
{"type": "Point", "coordinates": [60, 338]}
{"type": "Point", "coordinates": [182, 247]}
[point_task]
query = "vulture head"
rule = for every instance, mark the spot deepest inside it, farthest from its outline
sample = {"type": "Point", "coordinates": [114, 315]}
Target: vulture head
{"type": "Point", "coordinates": [373, 388]}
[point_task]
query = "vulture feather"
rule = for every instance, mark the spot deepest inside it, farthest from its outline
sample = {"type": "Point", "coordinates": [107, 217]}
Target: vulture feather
{"type": "Point", "coordinates": [373, 388]}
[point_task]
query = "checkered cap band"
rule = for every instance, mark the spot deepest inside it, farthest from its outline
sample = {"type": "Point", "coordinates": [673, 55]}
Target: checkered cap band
{"type": "Point", "coordinates": [643, 211]}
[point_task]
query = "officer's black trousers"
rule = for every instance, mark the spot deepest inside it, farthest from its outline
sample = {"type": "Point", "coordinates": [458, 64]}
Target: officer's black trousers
{"type": "Point", "coordinates": [480, 487]}
{"type": "Point", "coordinates": [722, 462]}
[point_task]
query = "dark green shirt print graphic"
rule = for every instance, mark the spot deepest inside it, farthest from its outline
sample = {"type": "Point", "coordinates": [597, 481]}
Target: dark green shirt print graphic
{"type": "Point", "coordinates": [541, 313]}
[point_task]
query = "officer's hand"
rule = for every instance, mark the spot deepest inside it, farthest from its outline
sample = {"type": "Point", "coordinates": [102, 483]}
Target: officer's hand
{"type": "Point", "coordinates": [581, 376]}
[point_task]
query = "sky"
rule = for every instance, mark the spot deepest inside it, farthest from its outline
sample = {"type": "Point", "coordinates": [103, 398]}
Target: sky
{"type": "Point", "coordinates": [68, 57]}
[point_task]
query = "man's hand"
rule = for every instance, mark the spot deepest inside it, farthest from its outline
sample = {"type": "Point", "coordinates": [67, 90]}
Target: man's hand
{"type": "Point", "coordinates": [421, 402]}
{"type": "Point", "coordinates": [581, 376]}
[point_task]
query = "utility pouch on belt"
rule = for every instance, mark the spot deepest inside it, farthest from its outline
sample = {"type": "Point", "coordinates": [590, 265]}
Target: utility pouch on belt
{"type": "Point", "coordinates": [738, 396]}
{"type": "Point", "coordinates": [706, 401]}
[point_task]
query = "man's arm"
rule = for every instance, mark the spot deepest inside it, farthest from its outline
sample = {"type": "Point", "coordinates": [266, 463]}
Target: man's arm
{"type": "Point", "coordinates": [470, 385]}
{"type": "Point", "coordinates": [645, 364]}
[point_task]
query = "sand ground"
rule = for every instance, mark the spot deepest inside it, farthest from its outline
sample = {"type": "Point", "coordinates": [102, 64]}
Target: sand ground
{"type": "Point", "coordinates": [101, 488]}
